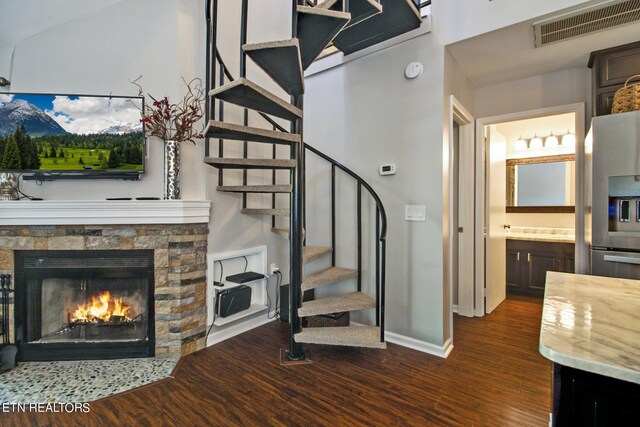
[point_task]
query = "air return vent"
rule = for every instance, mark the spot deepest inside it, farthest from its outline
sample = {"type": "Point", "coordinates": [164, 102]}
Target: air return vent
{"type": "Point", "coordinates": [607, 14]}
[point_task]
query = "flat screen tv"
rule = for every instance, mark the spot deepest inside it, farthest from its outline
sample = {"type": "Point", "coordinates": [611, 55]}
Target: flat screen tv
{"type": "Point", "coordinates": [50, 136]}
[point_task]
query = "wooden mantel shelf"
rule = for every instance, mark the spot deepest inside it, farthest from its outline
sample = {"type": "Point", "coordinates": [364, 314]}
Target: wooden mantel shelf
{"type": "Point", "coordinates": [99, 212]}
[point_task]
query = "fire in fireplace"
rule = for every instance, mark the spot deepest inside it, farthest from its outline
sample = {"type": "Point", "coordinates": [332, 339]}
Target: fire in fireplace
{"type": "Point", "coordinates": [103, 309]}
{"type": "Point", "coordinates": [84, 304]}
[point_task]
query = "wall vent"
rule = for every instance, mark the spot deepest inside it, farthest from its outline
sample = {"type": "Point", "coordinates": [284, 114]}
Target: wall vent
{"type": "Point", "coordinates": [604, 15]}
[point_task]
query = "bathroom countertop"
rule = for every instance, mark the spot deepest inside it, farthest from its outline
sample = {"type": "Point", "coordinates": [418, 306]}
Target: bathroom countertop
{"type": "Point", "coordinates": [592, 323]}
{"type": "Point", "coordinates": [541, 234]}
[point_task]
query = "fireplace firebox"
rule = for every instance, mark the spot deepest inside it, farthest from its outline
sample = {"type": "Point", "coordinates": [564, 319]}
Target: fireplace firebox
{"type": "Point", "coordinates": [75, 305]}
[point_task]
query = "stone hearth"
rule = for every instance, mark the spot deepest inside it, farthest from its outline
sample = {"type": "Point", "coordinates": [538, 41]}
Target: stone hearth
{"type": "Point", "coordinates": [176, 232]}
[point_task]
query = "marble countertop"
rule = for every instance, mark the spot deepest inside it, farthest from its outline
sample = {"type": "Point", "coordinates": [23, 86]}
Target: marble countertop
{"type": "Point", "coordinates": [541, 234]}
{"type": "Point", "coordinates": [592, 323]}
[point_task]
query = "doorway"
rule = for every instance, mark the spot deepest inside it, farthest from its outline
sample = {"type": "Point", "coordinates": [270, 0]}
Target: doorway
{"type": "Point", "coordinates": [461, 211]}
{"type": "Point", "coordinates": [522, 191]}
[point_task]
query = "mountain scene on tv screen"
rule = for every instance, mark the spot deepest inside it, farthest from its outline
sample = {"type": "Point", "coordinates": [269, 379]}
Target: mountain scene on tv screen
{"type": "Point", "coordinates": [70, 133]}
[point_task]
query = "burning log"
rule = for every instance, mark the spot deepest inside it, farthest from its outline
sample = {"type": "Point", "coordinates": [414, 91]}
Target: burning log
{"type": "Point", "coordinates": [101, 309]}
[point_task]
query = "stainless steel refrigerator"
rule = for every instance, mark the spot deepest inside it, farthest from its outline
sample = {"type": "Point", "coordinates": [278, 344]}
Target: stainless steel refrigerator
{"type": "Point", "coordinates": [615, 197]}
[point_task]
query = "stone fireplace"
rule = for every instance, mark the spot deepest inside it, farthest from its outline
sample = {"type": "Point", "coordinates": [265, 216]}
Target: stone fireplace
{"type": "Point", "coordinates": [172, 235]}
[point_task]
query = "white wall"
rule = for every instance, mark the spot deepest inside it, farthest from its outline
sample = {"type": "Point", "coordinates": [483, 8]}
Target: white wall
{"type": "Point", "coordinates": [542, 91]}
{"type": "Point", "coordinates": [99, 54]}
{"type": "Point", "coordinates": [461, 19]}
{"type": "Point", "coordinates": [24, 18]}
{"type": "Point", "coordinates": [6, 51]}
{"type": "Point", "coordinates": [366, 113]}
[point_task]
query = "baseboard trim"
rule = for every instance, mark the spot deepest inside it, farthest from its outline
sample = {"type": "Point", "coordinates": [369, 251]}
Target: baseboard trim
{"type": "Point", "coordinates": [455, 308]}
{"type": "Point", "coordinates": [423, 346]}
{"type": "Point", "coordinates": [236, 329]}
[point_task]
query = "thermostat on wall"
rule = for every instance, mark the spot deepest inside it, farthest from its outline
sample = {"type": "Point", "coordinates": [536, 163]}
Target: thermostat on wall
{"type": "Point", "coordinates": [389, 169]}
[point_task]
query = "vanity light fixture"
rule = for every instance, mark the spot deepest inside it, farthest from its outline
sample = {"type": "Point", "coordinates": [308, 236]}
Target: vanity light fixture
{"type": "Point", "coordinates": [569, 140]}
{"type": "Point", "coordinates": [535, 143]}
{"type": "Point", "coordinates": [520, 144]}
{"type": "Point", "coordinates": [551, 141]}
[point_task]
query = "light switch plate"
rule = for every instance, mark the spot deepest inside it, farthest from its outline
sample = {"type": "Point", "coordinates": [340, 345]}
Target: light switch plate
{"type": "Point", "coordinates": [415, 213]}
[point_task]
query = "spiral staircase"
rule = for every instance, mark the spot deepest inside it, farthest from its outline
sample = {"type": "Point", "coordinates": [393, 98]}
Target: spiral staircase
{"type": "Point", "coordinates": [314, 27]}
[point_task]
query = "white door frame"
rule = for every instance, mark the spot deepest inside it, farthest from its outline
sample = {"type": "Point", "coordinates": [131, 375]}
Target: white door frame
{"type": "Point", "coordinates": [581, 253]}
{"type": "Point", "coordinates": [466, 152]}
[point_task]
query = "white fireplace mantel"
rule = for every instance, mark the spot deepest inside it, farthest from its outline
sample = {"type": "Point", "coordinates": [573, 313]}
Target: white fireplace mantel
{"type": "Point", "coordinates": [104, 212]}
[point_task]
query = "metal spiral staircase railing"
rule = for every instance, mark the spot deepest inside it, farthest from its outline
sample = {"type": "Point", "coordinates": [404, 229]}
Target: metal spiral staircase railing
{"type": "Point", "coordinates": [314, 26]}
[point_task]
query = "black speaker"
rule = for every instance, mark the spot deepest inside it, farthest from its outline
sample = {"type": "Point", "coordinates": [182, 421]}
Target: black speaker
{"type": "Point", "coordinates": [232, 301]}
{"type": "Point", "coordinates": [284, 301]}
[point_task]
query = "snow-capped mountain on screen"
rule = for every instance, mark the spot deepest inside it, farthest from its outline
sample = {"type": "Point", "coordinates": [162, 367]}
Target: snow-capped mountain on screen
{"type": "Point", "coordinates": [19, 112]}
{"type": "Point", "coordinates": [122, 128]}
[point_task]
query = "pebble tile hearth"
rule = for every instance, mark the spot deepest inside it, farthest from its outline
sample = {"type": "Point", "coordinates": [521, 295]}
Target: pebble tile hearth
{"type": "Point", "coordinates": [81, 381]}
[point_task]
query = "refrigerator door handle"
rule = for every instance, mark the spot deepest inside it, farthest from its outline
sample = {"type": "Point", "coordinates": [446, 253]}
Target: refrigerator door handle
{"type": "Point", "coordinates": [622, 259]}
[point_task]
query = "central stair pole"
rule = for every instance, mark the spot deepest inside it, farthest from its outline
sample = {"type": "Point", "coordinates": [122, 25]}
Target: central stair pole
{"type": "Point", "coordinates": [296, 247]}
{"type": "Point", "coordinates": [296, 352]}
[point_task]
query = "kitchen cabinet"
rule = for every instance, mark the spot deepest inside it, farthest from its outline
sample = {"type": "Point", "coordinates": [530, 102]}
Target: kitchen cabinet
{"type": "Point", "coordinates": [610, 69]}
{"type": "Point", "coordinates": [527, 264]}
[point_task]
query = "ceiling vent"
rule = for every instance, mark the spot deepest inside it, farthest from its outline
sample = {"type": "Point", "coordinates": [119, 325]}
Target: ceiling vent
{"type": "Point", "coordinates": [604, 15]}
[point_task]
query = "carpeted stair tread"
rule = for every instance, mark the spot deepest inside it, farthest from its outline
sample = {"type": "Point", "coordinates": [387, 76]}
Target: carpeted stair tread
{"type": "Point", "coordinates": [284, 232]}
{"type": "Point", "coordinates": [281, 61]}
{"type": "Point", "coordinates": [336, 304]}
{"type": "Point", "coordinates": [316, 28]}
{"type": "Point", "coordinates": [275, 212]}
{"type": "Point", "coordinates": [216, 129]}
{"type": "Point", "coordinates": [312, 253]}
{"type": "Point", "coordinates": [245, 93]}
{"type": "Point", "coordinates": [398, 17]}
{"type": "Point", "coordinates": [360, 10]}
{"type": "Point", "coordinates": [255, 188]}
{"type": "Point", "coordinates": [228, 163]}
{"type": "Point", "coordinates": [327, 277]}
{"type": "Point", "coordinates": [352, 336]}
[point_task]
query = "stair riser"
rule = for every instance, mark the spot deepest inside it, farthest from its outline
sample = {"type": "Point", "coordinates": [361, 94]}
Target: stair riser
{"type": "Point", "coordinates": [307, 284]}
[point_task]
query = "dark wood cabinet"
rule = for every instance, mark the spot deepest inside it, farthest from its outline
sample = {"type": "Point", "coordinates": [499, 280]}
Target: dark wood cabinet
{"type": "Point", "coordinates": [583, 398]}
{"type": "Point", "coordinates": [610, 69]}
{"type": "Point", "coordinates": [528, 262]}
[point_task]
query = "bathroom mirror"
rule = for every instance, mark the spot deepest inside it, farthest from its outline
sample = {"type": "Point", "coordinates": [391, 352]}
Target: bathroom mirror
{"type": "Point", "coordinates": [541, 184]}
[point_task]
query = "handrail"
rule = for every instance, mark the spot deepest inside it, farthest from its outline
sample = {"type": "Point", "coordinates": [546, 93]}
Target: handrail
{"type": "Point", "coordinates": [374, 195]}
{"type": "Point", "coordinates": [380, 229]}
{"type": "Point", "coordinates": [298, 205]}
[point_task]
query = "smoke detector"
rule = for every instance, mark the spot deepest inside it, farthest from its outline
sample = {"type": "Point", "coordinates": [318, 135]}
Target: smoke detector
{"type": "Point", "coordinates": [602, 16]}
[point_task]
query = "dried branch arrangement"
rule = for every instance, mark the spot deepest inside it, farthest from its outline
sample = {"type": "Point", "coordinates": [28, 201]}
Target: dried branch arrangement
{"type": "Point", "coordinates": [177, 121]}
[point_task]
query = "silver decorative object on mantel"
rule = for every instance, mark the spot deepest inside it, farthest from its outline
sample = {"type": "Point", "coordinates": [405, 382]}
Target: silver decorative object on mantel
{"type": "Point", "coordinates": [171, 170]}
{"type": "Point", "coordinates": [8, 186]}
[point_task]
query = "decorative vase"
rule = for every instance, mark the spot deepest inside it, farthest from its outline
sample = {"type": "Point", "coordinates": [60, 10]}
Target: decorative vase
{"type": "Point", "coordinates": [171, 170]}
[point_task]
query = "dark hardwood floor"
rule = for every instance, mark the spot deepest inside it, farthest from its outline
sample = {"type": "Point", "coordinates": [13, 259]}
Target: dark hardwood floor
{"type": "Point", "coordinates": [494, 377]}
